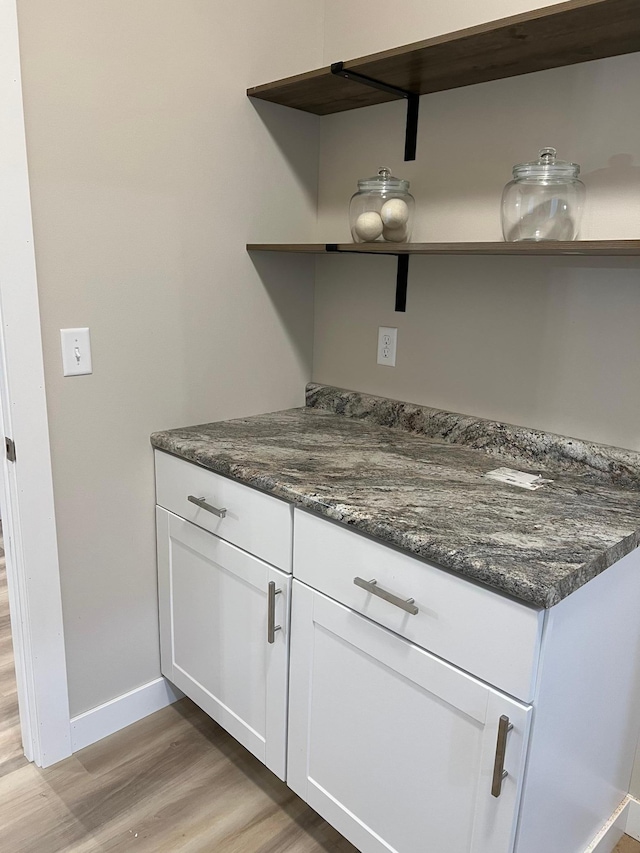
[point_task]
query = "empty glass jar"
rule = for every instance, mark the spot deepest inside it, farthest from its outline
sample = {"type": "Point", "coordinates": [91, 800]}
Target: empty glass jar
{"type": "Point", "coordinates": [382, 210]}
{"type": "Point", "coordinates": [544, 200]}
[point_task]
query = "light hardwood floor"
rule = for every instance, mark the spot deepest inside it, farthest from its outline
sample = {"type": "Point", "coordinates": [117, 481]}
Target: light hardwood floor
{"type": "Point", "coordinates": [173, 783]}
{"type": "Point", "coordinates": [628, 845]}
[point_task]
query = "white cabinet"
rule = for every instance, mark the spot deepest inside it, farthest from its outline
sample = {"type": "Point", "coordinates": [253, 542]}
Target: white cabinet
{"type": "Point", "coordinates": [393, 746]}
{"type": "Point", "coordinates": [403, 678]}
{"type": "Point", "coordinates": [216, 646]}
{"type": "Point", "coordinates": [394, 705]}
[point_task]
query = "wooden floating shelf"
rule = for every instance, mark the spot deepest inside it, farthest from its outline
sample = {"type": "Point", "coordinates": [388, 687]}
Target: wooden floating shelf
{"type": "Point", "coordinates": [587, 248]}
{"type": "Point", "coordinates": [403, 251]}
{"type": "Point", "coordinates": [563, 34]}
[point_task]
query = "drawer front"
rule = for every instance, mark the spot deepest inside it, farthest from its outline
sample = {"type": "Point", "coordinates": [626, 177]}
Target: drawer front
{"type": "Point", "coordinates": [480, 631]}
{"type": "Point", "coordinates": [253, 521]}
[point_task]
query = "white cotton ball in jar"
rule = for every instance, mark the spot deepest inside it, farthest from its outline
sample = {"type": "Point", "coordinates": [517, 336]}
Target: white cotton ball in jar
{"type": "Point", "coordinates": [395, 235]}
{"type": "Point", "coordinates": [369, 226]}
{"type": "Point", "coordinates": [395, 213]}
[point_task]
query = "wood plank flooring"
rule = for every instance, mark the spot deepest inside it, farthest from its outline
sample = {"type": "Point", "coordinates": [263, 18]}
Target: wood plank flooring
{"type": "Point", "coordinates": [172, 783]}
{"type": "Point", "coordinates": [628, 845]}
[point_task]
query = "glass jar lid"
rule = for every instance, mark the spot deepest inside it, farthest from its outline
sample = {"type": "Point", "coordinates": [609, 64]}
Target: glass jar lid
{"type": "Point", "coordinates": [383, 182]}
{"type": "Point", "coordinates": [547, 166]}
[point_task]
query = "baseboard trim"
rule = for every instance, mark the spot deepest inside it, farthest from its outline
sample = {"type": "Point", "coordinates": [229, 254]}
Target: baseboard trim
{"type": "Point", "coordinates": [625, 819]}
{"type": "Point", "coordinates": [121, 712]}
{"type": "Point", "coordinates": [632, 827]}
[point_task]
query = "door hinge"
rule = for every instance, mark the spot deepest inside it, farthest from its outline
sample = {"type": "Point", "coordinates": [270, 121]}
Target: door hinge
{"type": "Point", "coordinates": [10, 448]}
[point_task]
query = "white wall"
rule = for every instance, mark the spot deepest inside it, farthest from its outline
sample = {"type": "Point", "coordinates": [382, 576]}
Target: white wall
{"type": "Point", "coordinates": [542, 342]}
{"type": "Point", "coordinates": [150, 170]}
{"type": "Point", "coordinates": [359, 27]}
{"type": "Point", "coordinates": [547, 343]}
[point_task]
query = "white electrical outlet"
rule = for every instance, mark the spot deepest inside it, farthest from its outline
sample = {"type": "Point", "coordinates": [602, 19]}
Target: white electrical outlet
{"type": "Point", "coordinates": [76, 352]}
{"type": "Point", "coordinates": [387, 343]}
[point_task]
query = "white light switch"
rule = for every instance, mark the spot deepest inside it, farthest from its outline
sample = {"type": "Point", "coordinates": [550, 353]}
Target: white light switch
{"type": "Point", "coordinates": [76, 352]}
{"type": "Point", "coordinates": [387, 341]}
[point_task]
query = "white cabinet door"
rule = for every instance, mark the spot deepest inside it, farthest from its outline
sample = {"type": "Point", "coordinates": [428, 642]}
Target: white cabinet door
{"type": "Point", "coordinates": [393, 746]}
{"type": "Point", "coordinates": [214, 605]}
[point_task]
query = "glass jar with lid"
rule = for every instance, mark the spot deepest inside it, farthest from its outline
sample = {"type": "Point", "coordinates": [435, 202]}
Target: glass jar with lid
{"type": "Point", "coordinates": [544, 200]}
{"type": "Point", "coordinates": [382, 210]}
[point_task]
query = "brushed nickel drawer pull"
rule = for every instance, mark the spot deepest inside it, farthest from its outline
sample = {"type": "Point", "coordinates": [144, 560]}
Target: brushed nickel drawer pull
{"type": "Point", "coordinates": [271, 613]}
{"type": "Point", "coordinates": [499, 773]}
{"type": "Point", "coordinates": [201, 502]}
{"type": "Point", "coordinates": [406, 604]}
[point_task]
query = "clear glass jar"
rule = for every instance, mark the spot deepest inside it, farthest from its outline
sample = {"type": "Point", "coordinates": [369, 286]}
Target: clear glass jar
{"type": "Point", "coordinates": [544, 200]}
{"type": "Point", "coordinates": [382, 210]}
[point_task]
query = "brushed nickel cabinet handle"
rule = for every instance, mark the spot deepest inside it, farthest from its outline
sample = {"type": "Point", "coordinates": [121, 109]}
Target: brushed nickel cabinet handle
{"type": "Point", "coordinates": [201, 502]}
{"type": "Point", "coordinates": [499, 773]}
{"type": "Point", "coordinates": [406, 604]}
{"type": "Point", "coordinates": [271, 613]}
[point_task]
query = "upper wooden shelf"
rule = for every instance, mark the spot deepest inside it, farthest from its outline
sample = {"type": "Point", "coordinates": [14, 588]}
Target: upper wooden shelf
{"type": "Point", "coordinates": [563, 34]}
{"type": "Point", "coordinates": [606, 248]}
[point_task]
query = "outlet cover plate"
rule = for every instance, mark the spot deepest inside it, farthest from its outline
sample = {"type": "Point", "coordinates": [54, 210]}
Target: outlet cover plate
{"type": "Point", "coordinates": [387, 345]}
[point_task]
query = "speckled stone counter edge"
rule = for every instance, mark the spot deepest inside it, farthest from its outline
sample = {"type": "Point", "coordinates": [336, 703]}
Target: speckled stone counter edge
{"type": "Point", "coordinates": [506, 442]}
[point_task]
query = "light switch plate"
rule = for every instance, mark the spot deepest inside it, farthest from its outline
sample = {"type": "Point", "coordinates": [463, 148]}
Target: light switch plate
{"type": "Point", "coordinates": [76, 352]}
{"type": "Point", "coordinates": [387, 343]}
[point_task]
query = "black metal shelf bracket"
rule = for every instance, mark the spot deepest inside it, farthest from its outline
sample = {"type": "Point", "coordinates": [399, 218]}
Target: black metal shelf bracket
{"type": "Point", "coordinates": [402, 276]}
{"type": "Point", "coordinates": [401, 282]}
{"type": "Point", "coordinates": [413, 103]}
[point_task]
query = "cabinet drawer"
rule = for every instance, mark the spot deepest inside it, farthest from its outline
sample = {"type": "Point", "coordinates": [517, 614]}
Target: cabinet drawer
{"type": "Point", "coordinates": [253, 521]}
{"type": "Point", "coordinates": [485, 633]}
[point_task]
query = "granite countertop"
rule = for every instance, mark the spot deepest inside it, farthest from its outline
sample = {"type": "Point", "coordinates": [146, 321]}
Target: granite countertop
{"type": "Point", "coordinates": [414, 477]}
